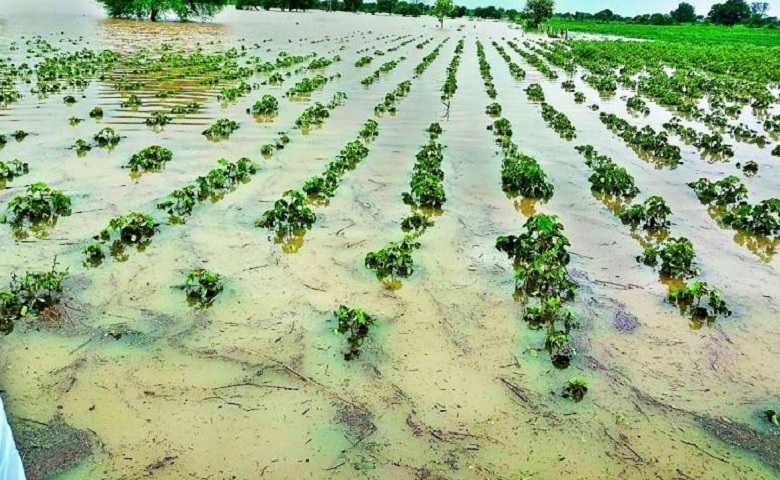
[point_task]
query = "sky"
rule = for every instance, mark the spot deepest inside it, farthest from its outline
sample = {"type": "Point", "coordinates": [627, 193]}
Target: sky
{"type": "Point", "coordinates": [620, 7]}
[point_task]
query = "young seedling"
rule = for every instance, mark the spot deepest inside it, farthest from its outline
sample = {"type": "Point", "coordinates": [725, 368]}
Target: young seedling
{"type": "Point", "coordinates": [395, 260]}
{"type": "Point", "coordinates": [416, 224]}
{"type": "Point", "coordinates": [575, 389]}
{"type": "Point", "coordinates": [94, 254]}
{"type": "Point", "coordinates": [690, 297]}
{"type": "Point", "coordinates": [202, 287]}
{"type": "Point", "coordinates": [149, 159]}
{"type": "Point", "coordinates": [106, 137]}
{"type": "Point", "coordinates": [158, 119]}
{"type": "Point", "coordinates": [221, 129]}
{"type": "Point", "coordinates": [40, 205]}
{"type": "Point", "coordinates": [32, 294]}
{"type": "Point", "coordinates": [289, 216]}
{"type": "Point", "coordinates": [134, 101]}
{"type": "Point", "coordinates": [652, 214]}
{"type": "Point", "coordinates": [355, 323]}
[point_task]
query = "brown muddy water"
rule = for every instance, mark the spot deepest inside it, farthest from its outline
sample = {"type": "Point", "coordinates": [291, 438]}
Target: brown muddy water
{"type": "Point", "coordinates": [451, 384]}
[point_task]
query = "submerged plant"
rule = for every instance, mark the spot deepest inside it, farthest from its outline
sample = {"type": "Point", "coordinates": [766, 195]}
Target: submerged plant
{"type": "Point", "coordinates": [40, 204]}
{"type": "Point", "coordinates": [150, 159]}
{"type": "Point", "coordinates": [202, 287]}
{"type": "Point", "coordinates": [676, 256]}
{"type": "Point", "coordinates": [771, 417]}
{"type": "Point", "coordinates": [395, 260]}
{"type": "Point", "coordinates": [133, 228]}
{"type": "Point", "coordinates": [416, 223]}
{"type": "Point", "coordinates": [370, 130]}
{"type": "Point", "coordinates": [191, 107]}
{"type": "Point", "coordinates": [494, 110]}
{"type": "Point", "coordinates": [652, 214]}
{"type": "Point", "coordinates": [31, 294]}
{"type": "Point", "coordinates": [575, 389]}
{"type": "Point", "coordinates": [725, 191]}
{"type": "Point", "coordinates": [134, 101]}
{"type": "Point", "coordinates": [158, 119]}
{"type": "Point", "coordinates": [12, 169]}
{"type": "Point", "coordinates": [221, 129]}
{"type": "Point", "coordinates": [267, 105]}
{"type": "Point", "coordinates": [762, 218]}
{"type": "Point", "coordinates": [94, 254]}
{"type": "Point", "coordinates": [355, 323]}
{"type": "Point", "coordinates": [289, 216]}
{"type": "Point", "coordinates": [690, 297]}
{"type": "Point", "coordinates": [96, 112]}
{"type": "Point", "coordinates": [106, 137]}
{"type": "Point", "coordinates": [521, 174]}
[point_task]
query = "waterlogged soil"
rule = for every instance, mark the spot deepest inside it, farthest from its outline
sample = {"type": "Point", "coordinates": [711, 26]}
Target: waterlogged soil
{"type": "Point", "coordinates": [451, 383]}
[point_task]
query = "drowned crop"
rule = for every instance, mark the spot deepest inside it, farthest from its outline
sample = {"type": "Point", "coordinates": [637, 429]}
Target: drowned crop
{"type": "Point", "coordinates": [395, 260]}
{"type": "Point", "coordinates": [521, 174]}
{"type": "Point", "coordinates": [202, 287]}
{"type": "Point", "coordinates": [30, 295]}
{"type": "Point", "coordinates": [676, 256]}
{"type": "Point", "coordinates": [40, 206]}
{"type": "Point", "coordinates": [535, 93]}
{"type": "Point", "coordinates": [652, 214]}
{"type": "Point", "coordinates": [575, 389]}
{"type": "Point", "coordinates": [762, 218]}
{"type": "Point", "coordinates": [12, 169]}
{"type": "Point", "coordinates": [289, 216]}
{"type": "Point", "coordinates": [700, 301]}
{"type": "Point", "coordinates": [426, 188]}
{"type": "Point", "coordinates": [221, 129]}
{"type": "Point", "coordinates": [355, 324]}
{"type": "Point", "coordinates": [149, 159]}
{"type": "Point", "coordinates": [558, 121]}
{"type": "Point", "coordinates": [106, 137]}
{"type": "Point", "coordinates": [494, 110]}
{"type": "Point", "coordinates": [266, 106]}
{"type": "Point", "coordinates": [725, 191]}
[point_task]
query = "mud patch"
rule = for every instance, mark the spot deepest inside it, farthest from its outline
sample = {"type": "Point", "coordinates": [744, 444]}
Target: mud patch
{"type": "Point", "coordinates": [766, 446]}
{"type": "Point", "coordinates": [48, 449]}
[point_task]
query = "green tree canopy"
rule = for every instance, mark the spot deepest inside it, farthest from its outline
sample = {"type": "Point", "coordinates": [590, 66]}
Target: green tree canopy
{"type": "Point", "coordinates": [684, 13]}
{"type": "Point", "coordinates": [539, 10]}
{"type": "Point", "coordinates": [443, 8]}
{"type": "Point", "coordinates": [730, 13]}
{"type": "Point", "coordinates": [153, 9]}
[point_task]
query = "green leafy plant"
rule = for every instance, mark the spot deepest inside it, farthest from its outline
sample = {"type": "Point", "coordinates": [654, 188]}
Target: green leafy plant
{"type": "Point", "coordinates": [676, 255]}
{"type": "Point", "coordinates": [202, 287]}
{"type": "Point", "coordinates": [395, 260]}
{"type": "Point", "coordinates": [106, 137]}
{"type": "Point", "coordinates": [762, 218]}
{"type": "Point", "coordinates": [611, 179]}
{"type": "Point", "coordinates": [134, 101]}
{"type": "Point", "coordinates": [355, 324]}
{"type": "Point", "coordinates": [96, 112]}
{"type": "Point", "coordinates": [535, 93]}
{"type": "Point", "coordinates": [771, 417]}
{"type": "Point", "coordinates": [221, 129]}
{"type": "Point", "coordinates": [434, 130]}
{"type": "Point", "coordinates": [191, 107]}
{"type": "Point", "coordinates": [39, 205]}
{"type": "Point", "coordinates": [267, 105]}
{"type": "Point", "coordinates": [94, 254]}
{"type": "Point", "coordinates": [158, 119]}
{"type": "Point", "coordinates": [289, 216]}
{"type": "Point", "coordinates": [652, 214]}
{"type": "Point", "coordinates": [151, 158]}
{"type": "Point", "coordinates": [575, 389]}
{"type": "Point", "coordinates": [133, 228]}
{"type": "Point", "coordinates": [690, 300]}
{"type": "Point", "coordinates": [31, 294]}
{"type": "Point", "coordinates": [416, 223]}
{"type": "Point", "coordinates": [521, 174]}
{"type": "Point", "coordinates": [494, 110]}
{"type": "Point", "coordinates": [12, 169]}
{"type": "Point", "coordinates": [725, 191]}
{"type": "Point", "coordinates": [370, 130]}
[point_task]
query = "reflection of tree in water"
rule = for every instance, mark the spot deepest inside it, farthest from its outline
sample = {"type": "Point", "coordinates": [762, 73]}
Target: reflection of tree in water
{"type": "Point", "coordinates": [762, 247]}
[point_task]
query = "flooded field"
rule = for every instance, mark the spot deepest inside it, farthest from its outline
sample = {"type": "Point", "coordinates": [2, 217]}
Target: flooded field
{"type": "Point", "coordinates": [125, 378]}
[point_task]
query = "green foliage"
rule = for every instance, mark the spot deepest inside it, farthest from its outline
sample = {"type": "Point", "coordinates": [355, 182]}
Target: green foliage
{"type": "Point", "coordinates": [558, 121]}
{"type": "Point", "coordinates": [306, 86]}
{"type": "Point", "coordinates": [771, 417]}
{"type": "Point", "coordinates": [760, 219]}
{"type": "Point", "coordinates": [540, 257]}
{"type": "Point", "coordinates": [539, 10]}
{"type": "Point", "coordinates": [202, 287]}
{"type": "Point", "coordinates": [363, 61]}
{"type": "Point", "coordinates": [221, 129]}
{"type": "Point", "coordinates": [652, 214]}
{"type": "Point", "coordinates": [501, 128]}
{"type": "Point", "coordinates": [575, 389]}
{"type": "Point", "coordinates": [416, 223]}
{"type": "Point", "coordinates": [427, 190]}
{"type": "Point", "coordinates": [12, 169]}
{"type": "Point", "coordinates": [370, 130]}
{"type": "Point", "coordinates": [690, 297]}
{"type": "Point", "coordinates": [151, 158]}
{"type": "Point", "coordinates": [268, 105]}
{"type": "Point", "coordinates": [535, 93]}
{"type": "Point", "coordinates": [188, 108]}
{"type": "Point", "coordinates": [96, 112]}
{"type": "Point", "coordinates": [494, 110]}
{"type": "Point", "coordinates": [155, 9]}
{"type": "Point", "coordinates": [30, 295]}
{"type": "Point", "coordinates": [521, 174]}
{"type": "Point", "coordinates": [676, 255]}
{"type": "Point", "coordinates": [726, 191]}
{"type": "Point", "coordinates": [39, 205]}
{"type": "Point", "coordinates": [289, 216]}
{"type": "Point", "coordinates": [158, 119]}
{"type": "Point", "coordinates": [106, 137]}
{"type": "Point", "coordinates": [134, 101]}
{"type": "Point", "coordinates": [133, 228]}
{"type": "Point", "coordinates": [355, 323]}
{"type": "Point", "coordinates": [395, 260]}
{"type": "Point", "coordinates": [94, 254]}
{"type": "Point", "coordinates": [610, 179]}
{"type": "Point", "coordinates": [434, 130]}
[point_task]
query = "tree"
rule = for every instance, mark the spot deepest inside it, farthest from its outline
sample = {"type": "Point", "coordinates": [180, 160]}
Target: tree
{"type": "Point", "coordinates": [730, 13]}
{"type": "Point", "coordinates": [539, 10]}
{"type": "Point", "coordinates": [442, 8]}
{"type": "Point", "coordinates": [685, 13]}
{"type": "Point", "coordinates": [154, 9]}
{"type": "Point", "coordinates": [353, 5]}
{"type": "Point", "coordinates": [759, 8]}
{"type": "Point", "coordinates": [385, 6]}
{"type": "Point", "coordinates": [604, 15]}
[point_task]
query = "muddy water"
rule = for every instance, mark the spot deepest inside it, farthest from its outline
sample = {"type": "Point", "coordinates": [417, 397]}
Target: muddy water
{"type": "Point", "coordinates": [449, 385]}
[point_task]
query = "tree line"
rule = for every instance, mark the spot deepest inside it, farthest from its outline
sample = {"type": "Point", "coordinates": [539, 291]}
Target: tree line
{"type": "Point", "coordinates": [729, 13]}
